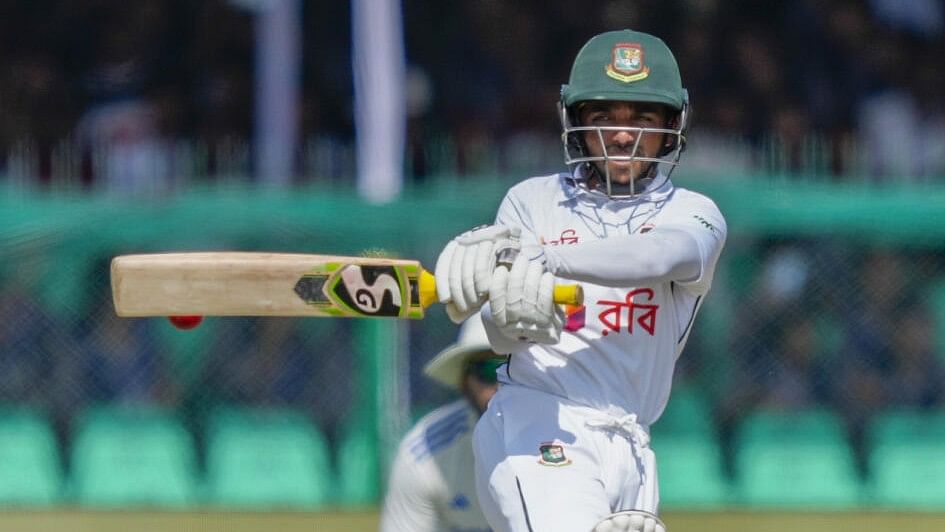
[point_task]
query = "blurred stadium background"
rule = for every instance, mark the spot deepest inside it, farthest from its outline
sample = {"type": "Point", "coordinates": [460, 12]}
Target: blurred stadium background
{"type": "Point", "coordinates": [814, 381]}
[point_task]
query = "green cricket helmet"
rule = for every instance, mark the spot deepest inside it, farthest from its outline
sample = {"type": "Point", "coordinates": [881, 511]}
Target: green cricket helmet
{"type": "Point", "coordinates": [626, 66]}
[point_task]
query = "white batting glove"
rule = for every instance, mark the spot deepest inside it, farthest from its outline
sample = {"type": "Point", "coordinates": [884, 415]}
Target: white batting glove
{"type": "Point", "coordinates": [464, 268]}
{"type": "Point", "coordinates": [522, 301]}
{"type": "Point", "coordinates": [630, 521]}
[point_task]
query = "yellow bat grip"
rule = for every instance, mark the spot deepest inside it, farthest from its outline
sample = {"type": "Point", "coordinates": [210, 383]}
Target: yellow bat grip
{"type": "Point", "coordinates": [426, 286]}
{"type": "Point", "coordinates": [569, 294]}
{"type": "Point", "coordinates": [565, 294]}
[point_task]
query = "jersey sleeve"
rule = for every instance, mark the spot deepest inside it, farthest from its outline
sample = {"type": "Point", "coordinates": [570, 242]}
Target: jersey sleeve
{"type": "Point", "coordinates": [683, 249]}
{"type": "Point", "coordinates": [409, 504]}
{"type": "Point", "coordinates": [514, 213]}
{"type": "Point", "coordinates": [705, 223]}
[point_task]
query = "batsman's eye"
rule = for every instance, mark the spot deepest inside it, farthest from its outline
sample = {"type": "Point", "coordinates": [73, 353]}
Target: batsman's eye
{"type": "Point", "coordinates": [592, 114]}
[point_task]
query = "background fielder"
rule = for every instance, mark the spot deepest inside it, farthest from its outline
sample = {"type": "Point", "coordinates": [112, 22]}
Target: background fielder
{"type": "Point", "coordinates": [565, 441]}
{"type": "Point", "coordinates": [432, 484]}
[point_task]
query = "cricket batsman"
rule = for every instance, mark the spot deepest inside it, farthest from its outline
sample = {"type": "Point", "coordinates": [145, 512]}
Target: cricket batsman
{"type": "Point", "coordinates": [564, 443]}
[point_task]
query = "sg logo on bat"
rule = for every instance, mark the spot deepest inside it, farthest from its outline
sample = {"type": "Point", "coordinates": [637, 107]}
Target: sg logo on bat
{"type": "Point", "coordinates": [360, 290]}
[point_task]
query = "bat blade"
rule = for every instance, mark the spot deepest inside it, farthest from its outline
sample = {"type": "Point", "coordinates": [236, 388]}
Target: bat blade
{"type": "Point", "coordinates": [232, 283]}
{"type": "Point", "coordinates": [268, 284]}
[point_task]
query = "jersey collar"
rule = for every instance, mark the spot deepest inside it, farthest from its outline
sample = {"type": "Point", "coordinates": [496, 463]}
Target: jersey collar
{"type": "Point", "coordinates": [662, 188]}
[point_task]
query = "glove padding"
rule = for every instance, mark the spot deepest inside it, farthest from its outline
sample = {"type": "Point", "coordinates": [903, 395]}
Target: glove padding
{"type": "Point", "coordinates": [630, 521]}
{"type": "Point", "coordinates": [464, 268]}
{"type": "Point", "coordinates": [522, 301]}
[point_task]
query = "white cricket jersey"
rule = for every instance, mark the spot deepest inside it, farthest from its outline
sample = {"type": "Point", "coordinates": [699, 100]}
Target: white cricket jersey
{"type": "Point", "coordinates": [618, 351]}
{"type": "Point", "coordinates": [432, 484]}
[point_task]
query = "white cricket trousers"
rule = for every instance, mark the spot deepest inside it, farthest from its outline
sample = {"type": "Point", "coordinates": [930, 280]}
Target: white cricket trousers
{"type": "Point", "coordinates": [545, 464]}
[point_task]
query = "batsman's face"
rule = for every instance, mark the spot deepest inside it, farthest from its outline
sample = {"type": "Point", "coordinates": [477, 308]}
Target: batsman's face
{"type": "Point", "coordinates": [623, 143]}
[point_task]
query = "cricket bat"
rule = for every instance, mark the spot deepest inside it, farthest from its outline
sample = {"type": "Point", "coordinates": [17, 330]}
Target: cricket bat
{"type": "Point", "coordinates": [277, 284]}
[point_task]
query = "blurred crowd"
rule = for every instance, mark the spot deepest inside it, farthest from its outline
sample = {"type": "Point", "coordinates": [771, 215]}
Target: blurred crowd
{"type": "Point", "coordinates": [846, 87]}
{"type": "Point", "coordinates": [820, 325]}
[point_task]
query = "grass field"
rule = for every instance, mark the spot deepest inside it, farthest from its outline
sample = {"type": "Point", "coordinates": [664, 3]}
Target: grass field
{"type": "Point", "coordinates": [738, 521]}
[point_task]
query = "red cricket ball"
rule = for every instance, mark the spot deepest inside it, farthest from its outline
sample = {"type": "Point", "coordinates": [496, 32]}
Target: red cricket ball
{"type": "Point", "coordinates": [185, 322]}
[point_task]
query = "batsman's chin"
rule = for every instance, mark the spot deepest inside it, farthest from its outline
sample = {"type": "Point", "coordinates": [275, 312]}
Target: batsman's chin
{"type": "Point", "coordinates": [623, 173]}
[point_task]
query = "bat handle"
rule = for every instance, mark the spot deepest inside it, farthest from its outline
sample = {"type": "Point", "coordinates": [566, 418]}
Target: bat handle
{"type": "Point", "coordinates": [426, 288]}
{"type": "Point", "coordinates": [569, 294]}
{"type": "Point", "coordinates": [565, 294]}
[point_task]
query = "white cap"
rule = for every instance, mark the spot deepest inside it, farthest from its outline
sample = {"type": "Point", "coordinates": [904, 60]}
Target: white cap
{"type": "Point", "coordinates": [447, 367]}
